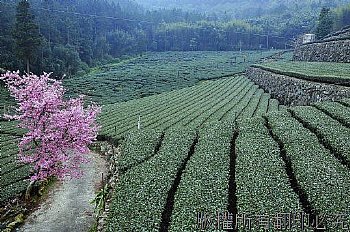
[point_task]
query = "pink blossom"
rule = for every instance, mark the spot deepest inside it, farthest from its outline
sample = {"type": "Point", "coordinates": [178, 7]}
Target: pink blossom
{"type": "Point", "coordinates": [58, 130]}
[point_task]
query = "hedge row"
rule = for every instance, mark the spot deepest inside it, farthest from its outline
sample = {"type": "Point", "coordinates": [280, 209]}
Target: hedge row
{"type": "Point", "coordinates": [10, 127]}
{"type": "Point", "coordinates": [211, 110]}
{"type": "Point", "coordinates": [164, 110]}
{"type": "Point", "coordinates": [6, 160]}
{"type": "Point", "coordinates": [194, 107]}
{"type": "Point", "coordinates": [199, 108]}
{"type": "Point", "coordinates": [263, 105]}
{"type": "Point", "coordinates": [304, 76]}
{"type": "Point", "coordinates": [232, 114]}
{"type": "Point", "coordinates": [141, 193]}
{"type": "Point", "coordinates": [10, 191]}
{"type": "Point", "coordinates": [337, 110]}
{"type": "Point", "coordinates": [18, 173]}
{"type": "Point", "coordinates": [333, 133]}
{"type": "Point", "coordinates": [345, 101]}
{"type": "Point", "coordinates": [234, 102]}
{"type": "Point", "coordinates": [263, 186]}
{"type": "Point", "coordinates": [138, 146]}
{"type": "Point", "coordinates": [249, 110]}
{"type": "Point", "coordinates": [176, 112]}
{"type": "Point", "coordinates": [8, 149]}
{"type": "Point", "coordinates": [320, 175]}
{"type": "Point", "coordinates": [134, 108]}
{"type": "Point", "coordinates": [13, 175]}
{"type": "Point", "coordinates": [204, 183]}
{"type": "Point", "coordinates": [273, 105]}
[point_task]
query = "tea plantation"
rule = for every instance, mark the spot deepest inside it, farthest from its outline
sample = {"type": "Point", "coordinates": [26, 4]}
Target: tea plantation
{"type": "Point", "coordinates": [201, 145]}
{"type": "Point", "coordinates": [194, 107]}
{"type": "Point", "coordinates": [327, 72]}
{"type": "Point", "coordinates": [13, 175]}
{"type": "Point", "coordinates": [293, 161]}
{"type": "Point", "coordinates": [143, 76]}
{"type": "Point", "coordinates": [155, 73]}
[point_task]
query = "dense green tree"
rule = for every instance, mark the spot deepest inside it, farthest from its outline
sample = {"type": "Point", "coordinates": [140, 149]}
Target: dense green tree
{"type": "Point", "coordinates": [26, 33]}
{"type": "Point", "coordinates": [342, 17]}
{"type": "Point", "coordinates": [81, 33]}
{"type": "Point", "coordinates": [8, 59]}
{"type": "Point", "coordinates": [325, 23]}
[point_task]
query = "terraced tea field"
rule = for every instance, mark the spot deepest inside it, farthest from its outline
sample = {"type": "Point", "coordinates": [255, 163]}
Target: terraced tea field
{"type": "Point", "coordinates": [327, 72]}
{"type": "Point", "coordinates": [155, 73]}
{"type": "Point", "coordinates": [13, 175]}
{"type": "Point", "coordinates": [212, 150]}
{"type": "Point", "coordinates": [290, 162]}
{"type": "Point", "coordinates": [179, 70]}
{"type": "Point", "coordinates": [227, 99]}
{"type": "Point", "coordinates": [5, 99]}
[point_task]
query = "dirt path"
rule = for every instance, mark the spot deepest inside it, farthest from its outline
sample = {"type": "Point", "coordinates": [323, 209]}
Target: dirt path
{"type": "Point", "coordinates": [68, 207]}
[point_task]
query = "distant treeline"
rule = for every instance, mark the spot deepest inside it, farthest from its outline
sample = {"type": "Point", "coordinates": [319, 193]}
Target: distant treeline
{"type": "Point", "coordinates": [78, 34]}
{"type": "Point", "coordinates": [341, 17]}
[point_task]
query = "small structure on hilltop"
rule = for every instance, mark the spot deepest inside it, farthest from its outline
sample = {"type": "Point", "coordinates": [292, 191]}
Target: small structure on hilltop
{"type": "Point", "coordinates": [334, 47]}
{"type": "Point", "coordinates": [308, 38]}
{"type": "Point", "coordinates": [303, 39]}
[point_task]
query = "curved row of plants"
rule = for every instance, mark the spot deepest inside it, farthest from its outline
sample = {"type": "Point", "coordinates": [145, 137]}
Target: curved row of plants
{"type": "Point", "coordinates": [193, 107]}
{"type": "Point", "coordinates": [325, 72]}
{"type": "Point", "coordinates": [263, 167]}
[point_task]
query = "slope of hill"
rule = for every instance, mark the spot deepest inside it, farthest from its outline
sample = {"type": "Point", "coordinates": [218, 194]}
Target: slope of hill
{"type": "Point", "coordinates": [198, 106]}
{"type": "Point", "coordinates": [282, 163]}
{"type": "Point", "coordinates": [155, 73]}
{"type": "Point", "coordinates": [249, 7]}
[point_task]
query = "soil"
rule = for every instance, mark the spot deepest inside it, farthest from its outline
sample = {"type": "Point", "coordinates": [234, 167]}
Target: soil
{"type": "Point", "coordinates": [67, 206]}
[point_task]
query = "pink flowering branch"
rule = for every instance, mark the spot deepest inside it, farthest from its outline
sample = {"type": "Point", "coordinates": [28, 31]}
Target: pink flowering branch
{"type": "Point", "coordinates": [58, 130]}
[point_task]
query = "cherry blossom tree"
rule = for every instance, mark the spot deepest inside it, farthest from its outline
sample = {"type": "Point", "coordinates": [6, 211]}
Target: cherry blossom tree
{"type": "Point", "coordinates": [59, 130]}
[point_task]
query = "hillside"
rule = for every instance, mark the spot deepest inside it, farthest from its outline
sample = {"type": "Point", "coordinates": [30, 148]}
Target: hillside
{"type": "Point", "coordinates": [155, 73]}
{"type": "Point", "coordinates": [236, 7]}
{"type": "Point", "coordinates": [285, 162]}
{"type": "Point", "coordinates": [174, 115]}
{"type": "Point", "coordinates": [228, 136]}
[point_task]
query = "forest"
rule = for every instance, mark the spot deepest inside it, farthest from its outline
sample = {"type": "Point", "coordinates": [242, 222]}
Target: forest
{"type": "Point", "coordinates": [76, 35]}
{"type": "Point", "coordinates": [174, 115]}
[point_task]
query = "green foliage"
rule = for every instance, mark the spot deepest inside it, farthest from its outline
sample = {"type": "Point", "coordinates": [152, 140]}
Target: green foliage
{"type": "Point", "coordinates": [319, 173]}
{"type": "Point", "coordinates": [328, 72]}
{"type": "Point", "coordinates": [346, 101]}
{"type": "Point", "coordinates": [100, 200]}
{"type": "Point", "coordinates": [193, 107]}
{"type": "Point", "coordinates": [155, 73]}
{"type": "Point", "coordinates": [273, 105]}
{"type": "Point", "coordinates": [336, 110]}
{"type": "Point", "coordinates": [252, 105]}
{"type": "Point", "coordinates": [325, 23]}
{"type": "Point", "coordinates": [26, 33]}
{"type": "Point", "coordinates": [141, 193]}
{"type": "Point", "coordinates": [65, 60]}
{"type": "Point", "coordinates": [262, 182]}
{"type": "Point", "coordinates": [341, 17]}
{"type": "Point", "coordinates": [12, 190]}
{"type": "Point", "coordinates": [14, 176]}
{"type": "Point", "coordinates": [11, 127]}
{"type": "Point", "coordinates": [100, 39]}
{"type": "Point", "coordinates": [5, 99]}
{"type": "Point", "coordinates": [331, 131]}
{"type": "Point", "coordinates": [203, 187]}
{"type": "Point", "coordinates": [137, 147]}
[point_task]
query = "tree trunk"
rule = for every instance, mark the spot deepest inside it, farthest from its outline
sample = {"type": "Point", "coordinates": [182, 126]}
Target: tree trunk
{"type": "Point", "coordinates": [28, 66]}
{"type": "Point", "coordinates": [29, 189]}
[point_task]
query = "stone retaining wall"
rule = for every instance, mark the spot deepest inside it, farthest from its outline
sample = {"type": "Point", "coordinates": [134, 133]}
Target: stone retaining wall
{"type": "Point", "coordinates": [332, 51]}
{"type": "Point", "coordinates": [292, 91]}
